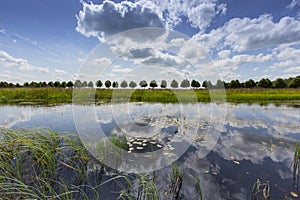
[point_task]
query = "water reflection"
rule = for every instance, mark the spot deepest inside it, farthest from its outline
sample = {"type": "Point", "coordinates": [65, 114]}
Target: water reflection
{"type": "Point", "coordinates": [256, 142]}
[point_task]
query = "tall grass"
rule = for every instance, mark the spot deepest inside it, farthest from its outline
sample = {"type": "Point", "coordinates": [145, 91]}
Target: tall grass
{"type": "Point", "coordinates": [42, 164]}
{"type": "Point", "coordinates": [62, 95]}
{"type": "Point", "coordinates": [39, 164]}
{"type": "Point", "coordinates": [296, 166]}
{"type": "Point", "coordinates": [35, 95]}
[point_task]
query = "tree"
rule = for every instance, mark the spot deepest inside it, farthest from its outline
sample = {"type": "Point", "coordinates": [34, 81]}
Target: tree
{"type": "Point", "coordinates": [56, 84]}
{"type": "Point", "coordinates": [143, 83]}
{"type": "Point", "coordinates": [90, 84]}
{"type": "Point", "coordinates": [132, 84]}
{"type": "Point", "coordinates": [99, 83]}
{"type": "Point", "coordinates": [220, 84]}
{"type": "Point", "coordinates": [195, 84]}
{"type": "Point", "coordinates": [185, 83]}
{"type": "Point", "coordinates": [294, 83]}
{"type": "Point", "coordinates": [26, 84]}
{"type": "Point", "coordinates": [43, 84]}
{"type": "Point", "coordinates": [163, 84]}
{"type": "Point", "coordinates": [264, 83]}
{"type": "Point", "coordinates": [70, 84]}
{"type": "Point", "coordinates": [35, 84]}
{"type": "Point", "coordinates": [115, 84]}
{"type": "Point", "coordinates": [84, 84]}
{"type": "Point", "coordinates": [124, 84]}
{"type": "Point", "coordinates": [279, 83]}
{"type": "Point", "coordinates": [77, 83]}
{"type": "Point", "coordinates": [234, 84]}
{"type": "Point", "coordinates": [63, 84]}
{"type": "Point", "coordinates": [153, 84]}
{"type": "Point", "coordinates": [174, 84]}
{"type": "Point", "coordinates": [5, 84]}
{"type": "Point", "coordinates": [107, 83]}
{"type": "Point", "coordinates": [250, 83]}
{"type": "Point", "coordinates": [50, 84]}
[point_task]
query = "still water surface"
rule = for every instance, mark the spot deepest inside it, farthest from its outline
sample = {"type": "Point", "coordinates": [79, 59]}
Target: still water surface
{"type": "Point", "coordinates": [254, 142]}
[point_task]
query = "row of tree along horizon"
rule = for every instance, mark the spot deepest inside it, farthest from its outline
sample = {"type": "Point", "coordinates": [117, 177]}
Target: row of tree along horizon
{"type": "Point", "coordinates": [292, 82]}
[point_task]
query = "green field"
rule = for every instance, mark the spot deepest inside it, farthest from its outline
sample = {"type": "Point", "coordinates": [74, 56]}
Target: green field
{"type": "Point", "coordinates": [61, 95]}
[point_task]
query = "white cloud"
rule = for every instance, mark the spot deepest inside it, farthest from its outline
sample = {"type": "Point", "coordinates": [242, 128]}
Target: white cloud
{"type": "Point", "coordinates": [245, 34]}
{"type": "Point", "coordinates": [239, 60]}
{"type": "Point", "coordinates": [249, 34]}
{"type": "Point", "coordinates": [192, 51]}
{"type": "Point", "coordinates": [278, 65]}
{"type": "Point", "coordinates": [102, 61]}
{"type": "Point", "coordinates": [202, 15]}
{"type": "Point", "coordinates": [289, 53]}
{"type": "Point", "coordinates": [295, 70]}
{"type": "Point", "coordinates": [224, 54]}
{"type": "Point", "coordinates": [2, 31]}
{"type": "Point", "coordinates": [110, 18]}
{"type": "Point", "coordinates": [119, 69]}
{"type": "Point", "coordinates": [60, 71]}
{"type": "Point", "coordinates": [199, 13]}
{"type": "Point", "coordinates": [293, 4]}
{"type": "Point", "coordinates": [7, 60]}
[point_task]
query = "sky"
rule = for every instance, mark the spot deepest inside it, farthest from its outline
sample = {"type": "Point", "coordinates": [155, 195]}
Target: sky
{"type": "Point", "coordinates": [53, 40]}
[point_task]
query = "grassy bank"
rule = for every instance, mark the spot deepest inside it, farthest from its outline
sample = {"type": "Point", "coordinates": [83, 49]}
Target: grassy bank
{"type": "Point", "coordinates": [61, 95]}
{"type": "Point", "coordinates": [41, 164]}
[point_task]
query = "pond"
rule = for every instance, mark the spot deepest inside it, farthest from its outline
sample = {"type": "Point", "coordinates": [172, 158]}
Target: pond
{"type": "Point", "coordinates": [228, 147]}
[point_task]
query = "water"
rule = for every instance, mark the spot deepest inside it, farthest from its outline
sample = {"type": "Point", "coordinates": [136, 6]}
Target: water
{"type": "Point", "coordinates": [228, 151]}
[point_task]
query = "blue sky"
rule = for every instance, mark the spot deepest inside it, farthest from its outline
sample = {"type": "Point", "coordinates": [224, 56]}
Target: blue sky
{"type": "Point", "coordinates": [49, 40]}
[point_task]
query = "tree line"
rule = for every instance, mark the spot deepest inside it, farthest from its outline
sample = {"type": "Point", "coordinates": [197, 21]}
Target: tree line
{"type": "Point", "coordinates": [292, 82]}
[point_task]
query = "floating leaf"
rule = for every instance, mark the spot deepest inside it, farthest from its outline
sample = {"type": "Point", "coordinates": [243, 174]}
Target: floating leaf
{"type": "Point", "coordinates": [207, 171]}
{"type": "Point", "coordinates": [236, 162]}
{"type": "Point", "coordinates": [294, 194]}
{"type": "Point", "coordinates": [214, 173]}
{"type": "Point", "coordinates": [263, 143]}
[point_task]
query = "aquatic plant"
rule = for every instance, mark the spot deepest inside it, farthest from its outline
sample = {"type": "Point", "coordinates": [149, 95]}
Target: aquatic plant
{"type": "Point", "coordinates": [260, 190]}
{"type": "Point", "coordinates": [296, 165]}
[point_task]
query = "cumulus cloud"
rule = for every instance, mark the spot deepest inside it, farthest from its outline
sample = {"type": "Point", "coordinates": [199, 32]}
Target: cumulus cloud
{"type": "Point", "coordinates": [60, 71]}
{"type": "Point", "coordinates": [7, 60]}
{"type": "Point", "coordinates": [110, 18]}
{"type": "Point", "coordinates": [239, 60]}
{"type": "Point", "coordinates": [224, 54]}
{"type": "Point", "coordinates": [250, 34]}
{"type": "Point", "coordinates": [199, 13]}
{"type": "Point", "coordinates": [246, 33]}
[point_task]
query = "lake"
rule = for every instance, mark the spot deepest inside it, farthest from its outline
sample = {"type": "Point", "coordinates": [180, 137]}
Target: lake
{"type": "Point", "coordinates": [227, 146]}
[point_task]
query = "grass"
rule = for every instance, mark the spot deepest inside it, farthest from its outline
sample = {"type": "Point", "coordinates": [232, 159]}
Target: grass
{"type": "Point", "coordinates": [35, 95]}
{"type": "Point", "coordinates": [43, 164]}
{"type": "Point", "coordinates": [61, 95]}
{"type": "Point", "coordinates": [296, 165]}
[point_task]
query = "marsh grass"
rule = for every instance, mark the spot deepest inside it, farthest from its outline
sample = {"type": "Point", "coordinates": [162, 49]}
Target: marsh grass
{"type": "Point", "coordinates": [296, 166]}
{"type": "Point", "coordinates": [43, 164]}
{"type": "Point", "coordinates": [35, 95]}
{"type": "Point", "coordinates": [64, 95]}
{"type": "Point", "coordinates": [40, 164]}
